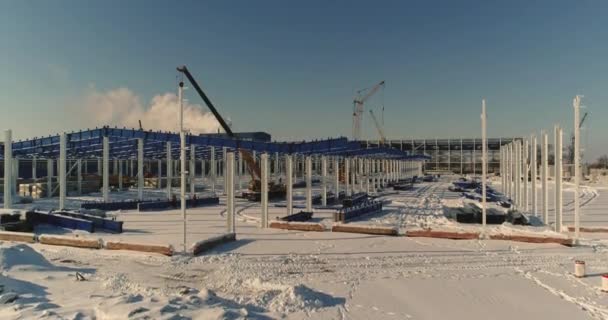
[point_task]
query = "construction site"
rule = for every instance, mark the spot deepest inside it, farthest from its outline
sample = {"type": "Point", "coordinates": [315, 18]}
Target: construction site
{"type": "Point", "coordinates": [255, 219]}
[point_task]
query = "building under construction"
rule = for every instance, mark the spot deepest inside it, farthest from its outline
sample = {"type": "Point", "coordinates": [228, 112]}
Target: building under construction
{"type": "Point", "coordinates": [462, 156]}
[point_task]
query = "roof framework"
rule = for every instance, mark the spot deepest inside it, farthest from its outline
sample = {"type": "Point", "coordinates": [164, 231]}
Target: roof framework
{"type": "Point", "coordinates": [123, 145]}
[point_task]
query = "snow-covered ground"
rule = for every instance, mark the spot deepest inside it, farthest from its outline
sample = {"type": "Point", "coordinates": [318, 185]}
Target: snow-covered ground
{"type": "Point", "coordinates": [269, 274]}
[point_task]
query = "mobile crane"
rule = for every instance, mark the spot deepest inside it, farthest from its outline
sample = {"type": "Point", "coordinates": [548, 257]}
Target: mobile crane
{"type": "Point", "coordinates": [274, 189]}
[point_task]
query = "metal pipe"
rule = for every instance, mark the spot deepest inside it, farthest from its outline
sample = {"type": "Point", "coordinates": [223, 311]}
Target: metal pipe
{"type": "Point", "coordinates": [264, 189]}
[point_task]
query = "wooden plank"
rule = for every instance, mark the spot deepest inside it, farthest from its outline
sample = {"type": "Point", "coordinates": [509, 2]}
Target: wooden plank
{"type": "Point", "coordinates": [590, 229]}
{"type": "Point", "coordinates": [208, 244]}
{"type": "Point", "coordinates": [301, 226]}
{"type": "Point", "coordinates": [119, 245]}
{"type": "Point", "coordinates": [532, 239]}
{"type": "Point", "coordinates": [428, 233]}
{"type": "Point", "coordinates": [17, 236]}
{"type": "Point", "coordinates": [70, 241]}
{"type": "Point", "coordinates": [365, 229]}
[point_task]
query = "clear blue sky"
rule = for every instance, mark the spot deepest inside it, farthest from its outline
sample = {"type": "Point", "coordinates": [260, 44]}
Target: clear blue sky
{"type": "Point", "coordinates": [290, 68]}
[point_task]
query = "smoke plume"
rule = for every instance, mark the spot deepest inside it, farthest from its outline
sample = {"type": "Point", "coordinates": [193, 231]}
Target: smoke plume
{"type": "Point", "coordinates": [121, 107]}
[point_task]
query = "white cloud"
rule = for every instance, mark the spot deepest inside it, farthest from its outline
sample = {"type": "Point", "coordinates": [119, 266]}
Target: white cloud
{"type": "Point", "coordinates": [122, 107]}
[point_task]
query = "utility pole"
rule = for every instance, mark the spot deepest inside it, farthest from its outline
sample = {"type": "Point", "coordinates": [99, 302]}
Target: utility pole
{"type": "Point", "coordinates": [484, 160]}
{"type": "Point", "coordinates": [182, 137]}
{"type": "Point", "coordinates": [577, 170]}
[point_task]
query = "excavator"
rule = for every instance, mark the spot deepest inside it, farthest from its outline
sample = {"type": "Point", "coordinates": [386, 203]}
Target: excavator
{"type": "Point", "coordinates": [275, 190]}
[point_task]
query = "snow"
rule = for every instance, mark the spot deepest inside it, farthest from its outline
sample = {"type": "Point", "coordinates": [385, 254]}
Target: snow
{"type": "Point", "coordinates": [274, 274]}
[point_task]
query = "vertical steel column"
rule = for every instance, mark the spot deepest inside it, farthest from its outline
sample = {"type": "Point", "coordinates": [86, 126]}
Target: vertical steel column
{"type": "Point", "coordinates": [8, 169]}
{"type": "Point", "coordinates": [182, 189]}
{"type": "Point", "coordinates": [49, 178]}
{"type": "Point", "coordinates": [289, 182]}
{"type": "Point", "coordinates": [577, 168]}
{"type": "Point", "coordinates": [361, 174]}
{"type": "Point", "coordinates": [229, 177]}
{"type": "Point", "coordinates": [324, 180]}
{"type": "Point", "coordinates": [484, 161]}
{"type": "Point", "coordinates": [544, 172]}
{"type": "Point", "coordinates": [264, 189]}
{"type": "Point", "coordinates": [192, 170]}
{"type": "Point", "coordinates": [160, 173]}
{"type": "Point", "coordinates": [239, 170]}
{"type": "Point", "coordinates": [558, 179]}
{"type": "Point", "coordinates": [346, 176]}
{"type": "Point", "coordinates": [213, 168]}
{"type": "Point", "coordinates": [169, 171]}
{"type": "Point", "coordinates": [106, 169]}
{"type": "Point", "coordinates": [525, 162]}
{"type": "Point", "coordinates": [534, 169]}
{"type": "Point", "coordinates": [120, 167]}
{"type": "Point", "coordinates": [79, 175]}
{"type": "Point", "coordinates": [62, 170]}
{"type": "Point", "coordinates": [277, 168]}
{"type": "Point", "coordinates": [336, 176]}
{"type": "Point", "coordinates": [34, 164]}
{"type": "Point", "coordinates": [309, 184]}
{"type": "Point", "coordinates": [140, 169]}
{"type": "Point", "coordinates": [224, 154]}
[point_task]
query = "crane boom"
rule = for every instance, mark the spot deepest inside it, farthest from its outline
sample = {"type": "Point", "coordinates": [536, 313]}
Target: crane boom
{"type": "Point", "coordinates": [378, 127]}
{"type": "Point", "coordinates": [252, 167]}
{"type": "Point", "coordinates": [358, 108]}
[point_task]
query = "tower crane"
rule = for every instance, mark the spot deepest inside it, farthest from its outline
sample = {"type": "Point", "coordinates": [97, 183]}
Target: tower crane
{"type": "Point", "coordinates": [378, 127]}
{"type": "Point", "coordinates": [358, 109]}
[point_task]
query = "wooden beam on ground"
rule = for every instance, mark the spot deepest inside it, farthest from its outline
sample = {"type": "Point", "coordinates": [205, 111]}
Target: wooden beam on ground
{"type": "Point", "coordinates": [119, 245]}
{"type": "Point", "coordinates": [301, 226]}
{"type": "Point", "coordinates": [454, 235]}
{"type": "Point", "coordinates": [70, 241]}
{"type": "Point", "coordinates": [532, 239]}
{"type": "Point", "coordinates": [365, 229]}
{"type": "Point", "coordinates": [590, 229]}
{"type": "Point", "coordinates": [17, 236]}
{"type": "Point", "coordinates": [208, 244]}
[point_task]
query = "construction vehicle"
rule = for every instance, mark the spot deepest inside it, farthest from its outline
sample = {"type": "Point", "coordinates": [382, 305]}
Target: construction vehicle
{"type": "Point", "coordinates": [358, 104]}
{"type": "Point", "coordinates": [378, 127]}
{"type": "Point", "coordinates": [274, 190]}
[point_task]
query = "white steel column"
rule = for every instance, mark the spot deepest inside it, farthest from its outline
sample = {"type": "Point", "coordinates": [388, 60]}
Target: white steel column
{"type": "Point", "coordinates": [79, 175]}
{"type": "Point", "coordinates": [544, 172]}
{"type": "Point", "coordinates": [8, 168]}
{"type": "Point", "coordinates": [224, 154]}
{"type": "Point", "coordinates": [62, 170]}
{"type": "Point", "coordinates": [120, 165]}
{"type": "Point", "coordinates": [289, 182]}
{"type": "Point", "coordinates": [534, 169]}
{"type": "Point", "coordinates": [525, 163]}
{"type": "Point", "coordinates": [182, 189]}
{"type": "Point", "coordinates": [169, 170]}
{"type": "Point", "coordinates": [484, 161]}
{"type": "Point", "coordinates": [367, 175]}
{"type": "Point", "coordinates": [140, 169]}
{"type": "Point", "coordinates": [49, 178]}
{"type": "Point", "coordinates": [324, 180]}
{"type": "Point", "coordinates": [106, 169]}
{"type": "Point", "coordinates": [309, 184]}
{"type": "Point", "coordinates": [558, 179]}
{"type": "Point", "coordinates": [160, 172]}
{"type": "Point", "coordinates": [518, 173]}
{"type": "Point", "coordinates": [213, 168]}
{"type": "Point", "coordinates": [34, 163]}
{"type": "Point", "coordinates": [347, 176]}
{"type": "Point", "coordinates": [192, 170]}
{"type": "Point", "coordinates": [277, 168]}
{"type": "Point", "coordinates": [264, 189]}
{"type": "Point", "coordinates": [336, 176]}
{"type": "Point", "coordinates": [577, 169]}
{"type": "Point", "coordinates": [361, 174]}
{"type": "Point", "coordinates": [229, 176]}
